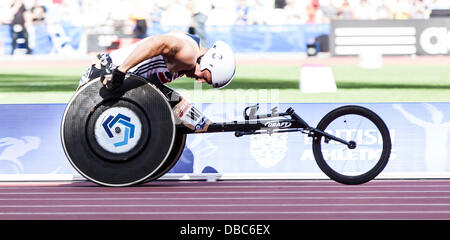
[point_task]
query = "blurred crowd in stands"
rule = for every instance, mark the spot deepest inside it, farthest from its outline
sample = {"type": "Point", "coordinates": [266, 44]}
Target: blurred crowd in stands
{"type": "Point", "coordinates": [136, 16]}
{"type": "Point", "coordinates": [218, 12]}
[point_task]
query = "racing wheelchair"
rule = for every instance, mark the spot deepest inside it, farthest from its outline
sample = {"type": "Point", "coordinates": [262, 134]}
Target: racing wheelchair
{"type": "Point", "coordinates": [135, 134]}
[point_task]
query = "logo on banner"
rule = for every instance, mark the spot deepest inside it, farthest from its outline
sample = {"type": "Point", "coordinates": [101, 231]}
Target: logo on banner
{"type": "Point", "coordinates": [436, 131]}
{"type": "Point", "coordinates": [14, 149]}
{"type": "Point", "coordinates": [435, 40]}
{"type": "Point", "coordinates": [268, 150]}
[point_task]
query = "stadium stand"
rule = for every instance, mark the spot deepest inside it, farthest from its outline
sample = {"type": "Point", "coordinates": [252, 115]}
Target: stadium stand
{"type": "Point", "coordinates": [64, 21]}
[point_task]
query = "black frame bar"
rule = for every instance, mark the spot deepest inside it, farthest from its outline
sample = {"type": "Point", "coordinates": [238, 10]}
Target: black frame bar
{"type": "Point", "coordinates": [266, 123]}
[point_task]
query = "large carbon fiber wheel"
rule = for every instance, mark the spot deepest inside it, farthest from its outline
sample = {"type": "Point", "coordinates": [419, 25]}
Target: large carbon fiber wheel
{"type": "Point", "coordinates": [120, 137]}
{"type": "Point", "coordinates": [174, 156]}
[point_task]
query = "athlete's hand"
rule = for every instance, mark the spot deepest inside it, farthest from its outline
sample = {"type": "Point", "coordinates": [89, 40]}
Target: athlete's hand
{"type": "Point", "coordinates": [115, 80]}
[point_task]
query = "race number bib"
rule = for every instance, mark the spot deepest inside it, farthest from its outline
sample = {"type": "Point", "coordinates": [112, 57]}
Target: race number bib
{"type": "Point", "coordinates": [190, 116]}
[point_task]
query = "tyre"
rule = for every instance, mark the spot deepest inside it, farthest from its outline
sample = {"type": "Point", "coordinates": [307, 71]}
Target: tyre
{"type": "Point", "coordinates": [120, 137]}
{"type": "Point", "coordinates": [172, 159]}
{"type": "Point", "coordinates": [363, 161]}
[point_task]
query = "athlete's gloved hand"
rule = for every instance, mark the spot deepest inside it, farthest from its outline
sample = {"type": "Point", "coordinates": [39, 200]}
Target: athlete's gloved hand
{"type": "Point", "coordinates": [115, 80]}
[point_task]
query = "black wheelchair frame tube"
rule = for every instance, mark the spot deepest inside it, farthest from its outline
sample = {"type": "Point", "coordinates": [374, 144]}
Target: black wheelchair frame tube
{"type": "Point", "coordinates": [266, 123]}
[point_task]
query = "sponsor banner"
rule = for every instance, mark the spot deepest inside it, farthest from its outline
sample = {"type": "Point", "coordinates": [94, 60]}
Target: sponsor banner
{"type": "Point", "coordinates": [267, 38]}
{"type": "Point", "coordinates": [30, 141]}
{"type": "Point", "coordinates": [45, 39]}
{"type": "Point", "coordinates": [390, 37]}
{"type": "Point", "coordinates": [242, 38]}
{"type": "Point", "coordinates": [420, 134]}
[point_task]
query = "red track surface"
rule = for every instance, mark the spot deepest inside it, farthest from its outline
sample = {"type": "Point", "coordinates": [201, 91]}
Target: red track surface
{"type": "Point", "coordinates": [243, 200]}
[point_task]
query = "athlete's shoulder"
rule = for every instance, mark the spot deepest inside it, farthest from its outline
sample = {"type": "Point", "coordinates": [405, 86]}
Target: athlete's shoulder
{"type": "Point", "coordinates": [186, 36]}
{"type": "Point", "coordinates": [186, 49]}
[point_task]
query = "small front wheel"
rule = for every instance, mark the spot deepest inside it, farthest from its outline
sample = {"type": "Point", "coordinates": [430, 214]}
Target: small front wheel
{"type": "Point", "coordinates": [369, 145]}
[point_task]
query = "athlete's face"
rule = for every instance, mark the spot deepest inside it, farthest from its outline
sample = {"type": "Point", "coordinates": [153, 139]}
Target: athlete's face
{"type": "Point", "coordinates": [201, 76]}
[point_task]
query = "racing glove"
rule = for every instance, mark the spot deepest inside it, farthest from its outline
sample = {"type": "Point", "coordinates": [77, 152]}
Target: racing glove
{"type": "Point", "coordinates": [116, 79]}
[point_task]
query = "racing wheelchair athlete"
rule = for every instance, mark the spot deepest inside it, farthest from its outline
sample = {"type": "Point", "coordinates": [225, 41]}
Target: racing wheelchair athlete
{"type": "Point", "coordinates": [124, 126]}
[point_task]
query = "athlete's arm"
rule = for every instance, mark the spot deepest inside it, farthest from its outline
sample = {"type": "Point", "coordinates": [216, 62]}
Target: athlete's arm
{"type": "Point", "coordinates": [173, 49]}
{"type": "Point", "coordinates": [177, 53]}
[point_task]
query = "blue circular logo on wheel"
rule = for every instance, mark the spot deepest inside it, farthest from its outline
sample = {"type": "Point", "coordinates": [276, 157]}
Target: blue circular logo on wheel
{"type": "Point", "coordinates": [118, 130]}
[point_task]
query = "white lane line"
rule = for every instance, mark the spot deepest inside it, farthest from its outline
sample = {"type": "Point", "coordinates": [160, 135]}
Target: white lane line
{"type": "Point", "coordinates": [218, 192]}
{"type": "Point", "coordinates": [228, 198]}
{"type": "Point", "coordinates": [248, 186]}
{"type": "Point", "coordinates": [225, 213]}
{"type": "Point", "coordinates": [231, 205]}
{"type": "Point", "coordinates": [243, 181]}
{"type": "Point", "coordinates": [376, 182]}
{"type": "Point", "coordinates": [223, 198]}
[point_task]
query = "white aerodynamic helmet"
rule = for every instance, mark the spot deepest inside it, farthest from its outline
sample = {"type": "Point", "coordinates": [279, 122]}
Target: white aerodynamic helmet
{"type": "Point", "coordinates": [220, 61]}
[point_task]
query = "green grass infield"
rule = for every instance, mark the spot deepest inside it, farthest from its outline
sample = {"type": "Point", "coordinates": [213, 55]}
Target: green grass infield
{"type": "Point", "coordinates": [253, 83]}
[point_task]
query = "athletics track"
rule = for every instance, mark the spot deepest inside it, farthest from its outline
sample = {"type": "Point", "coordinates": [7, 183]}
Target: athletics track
{"type": "Point", "coordinates": [228, 200]}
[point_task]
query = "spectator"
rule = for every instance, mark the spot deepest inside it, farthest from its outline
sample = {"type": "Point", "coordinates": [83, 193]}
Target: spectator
{"type": "Point", "coordinates": [139, 15]}
{"type": "Point", "coordinates": [38, 13]}
{"type": "Point", "coordinates": [280, 4]}
{"type": "Point", "coordinates": [295, 12]}
{"type": "Point", "coordinates": [328, 9]}
{"type": "Point", "coordinates": [345, 11]}
{"type": "Point", "coordinates": [312, 12]}
{"type": "Point", "coordinates": [199, 10]}
{"type": "Point", "coordinates": [418, 10]}
{"type": "Point", "coordinates": [155, 14]}
{"type": "Point", "coordinates": [242, 10]}
{"type": "Point", "coordinates": [383, 11]}
{"type": "Point", "coordinates": [364, 10]}
{"type": "Point", "coordinates": [401, 9]}
{"type": "Point", "coordinates": [21, 18]}
{"type": "Point", "coordinates": [259, 10]}
{"type": "Point", "coordinates": [55, 11]}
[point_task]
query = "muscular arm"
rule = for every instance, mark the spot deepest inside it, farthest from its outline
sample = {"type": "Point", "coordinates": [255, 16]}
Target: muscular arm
{"type": "Point", "coordinates": [172, 49]}
{"type": "Point", "coordinates": [177, 53]}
